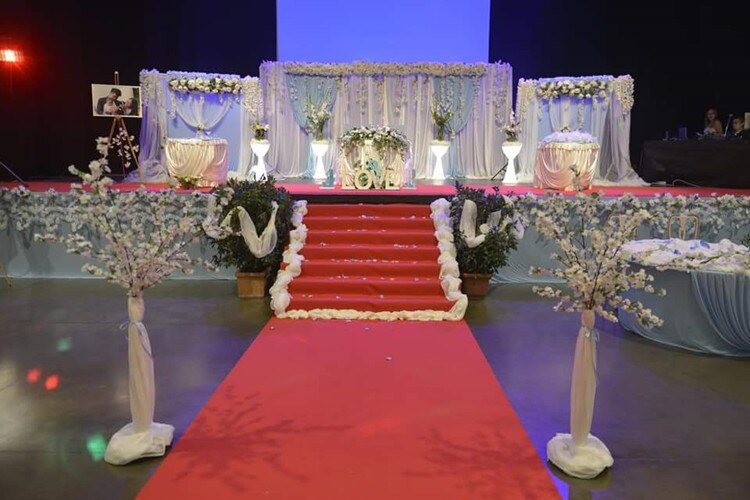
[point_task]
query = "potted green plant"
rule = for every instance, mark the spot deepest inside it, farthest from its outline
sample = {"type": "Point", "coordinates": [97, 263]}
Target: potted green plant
{"type": "Point", "coordinates": [256, 197]}
{"type": "Point", "coordinates": [483, 242]}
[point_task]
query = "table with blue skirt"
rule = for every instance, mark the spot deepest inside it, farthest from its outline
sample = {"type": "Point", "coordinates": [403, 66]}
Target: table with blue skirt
{"type": "Point", "coordinates": [703, 311]}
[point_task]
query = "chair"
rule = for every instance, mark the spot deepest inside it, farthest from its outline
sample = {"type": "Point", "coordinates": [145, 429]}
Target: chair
{"type": "Point", "coordinates": [682, 228]}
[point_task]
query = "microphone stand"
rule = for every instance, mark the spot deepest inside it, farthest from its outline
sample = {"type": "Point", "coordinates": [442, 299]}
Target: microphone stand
{"type": "Point", "coordinates": [11, 172]}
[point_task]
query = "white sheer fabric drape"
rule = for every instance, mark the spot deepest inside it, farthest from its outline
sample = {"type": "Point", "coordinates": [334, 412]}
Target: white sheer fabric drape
{"type": "Point", "coordinates": [252, 112]}
{"type": "Point", "coordinates": [401, 102]}
{"type": "Point", "coordinates": [191, 108]}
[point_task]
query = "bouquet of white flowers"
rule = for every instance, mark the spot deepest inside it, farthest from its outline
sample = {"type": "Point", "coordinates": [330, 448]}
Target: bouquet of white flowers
{"type": "Point", "coordinates": [441, 115]}
{"type": "Point", "coordinates": [317, 117]}
{"type": "Point", "coordinates": [260, 130]}
{"type": "Point", "coordinates": [207, 85]}
{"type": "Point", "coordinates": [512, 129]}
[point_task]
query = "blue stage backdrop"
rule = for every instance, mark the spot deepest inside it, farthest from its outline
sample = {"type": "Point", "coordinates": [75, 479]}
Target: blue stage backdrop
{"type": "Point", "coordinates": [383, 31]}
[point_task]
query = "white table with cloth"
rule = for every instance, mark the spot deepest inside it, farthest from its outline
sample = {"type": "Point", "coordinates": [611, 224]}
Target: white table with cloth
{"type": "Point", "coordinates": [560, 156]}
{"type": "Point", "coordinates": [206, 159]}
{"type": "Point", "coordinates": [707, 305]}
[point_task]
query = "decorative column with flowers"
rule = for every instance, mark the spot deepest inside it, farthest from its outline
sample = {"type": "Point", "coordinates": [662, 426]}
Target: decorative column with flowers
{"type": "Point", "coordinates": [597, 274]}
{"type": "Point", "coordinates": [260, 146]}
{"type": "Point", "coordinates": [511, 148]}
{"type": "Point", "coordinates": [317, 117]}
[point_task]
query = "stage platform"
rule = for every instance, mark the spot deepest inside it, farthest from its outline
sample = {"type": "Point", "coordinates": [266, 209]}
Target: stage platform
{"type": "Point", "coordinates": [424, 192]}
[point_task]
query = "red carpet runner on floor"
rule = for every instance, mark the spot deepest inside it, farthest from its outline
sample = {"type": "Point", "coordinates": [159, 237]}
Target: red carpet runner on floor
{"type": "Point", "coordinates": [369, 258]}
{"type": "Point", "coordinates": [356, 410]}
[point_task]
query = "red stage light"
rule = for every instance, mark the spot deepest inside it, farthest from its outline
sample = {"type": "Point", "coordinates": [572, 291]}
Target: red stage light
{"type": "Point", "coordinates": [52, 382]}
{"type": "Point", "coordinates": [33, 375]}
{"type": "Point", "coordinates": [11, 56]}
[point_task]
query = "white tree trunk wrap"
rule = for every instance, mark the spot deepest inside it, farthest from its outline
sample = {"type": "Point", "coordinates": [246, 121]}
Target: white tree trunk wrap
{"type": "Point", "coordinates": [280, 297]}
{"type": "Point", "coordinates": [142, 437]}
{"type": "Point", "coordinates": [581, 454]}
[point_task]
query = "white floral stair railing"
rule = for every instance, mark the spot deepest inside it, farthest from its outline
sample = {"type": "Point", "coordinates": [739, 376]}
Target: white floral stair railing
{"type": "Point", "coordinates": [280, 297]}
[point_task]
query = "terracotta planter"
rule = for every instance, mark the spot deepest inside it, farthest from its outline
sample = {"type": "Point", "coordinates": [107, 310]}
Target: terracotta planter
{"type": "Point", "coordinates": [475, 285]}
{"type": "Point", "coordinates": [251, 285]}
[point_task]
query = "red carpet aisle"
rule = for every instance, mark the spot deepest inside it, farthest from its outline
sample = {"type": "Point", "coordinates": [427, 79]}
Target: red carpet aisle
{"type": "Point", "coordinates": [356, 410]}
{"type": "Point", "coordinates": [368, 258]}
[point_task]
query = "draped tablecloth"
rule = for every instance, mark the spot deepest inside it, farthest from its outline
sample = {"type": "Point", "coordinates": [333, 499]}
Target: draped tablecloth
{"type": "Point", "coordinates": [703, 311]}
{"type": "Point", "coordinates": [366, 157]}
{"type": "Point", "coordinates": [554, 161]}
{"type": "Point", "coordinates": [203, 158]}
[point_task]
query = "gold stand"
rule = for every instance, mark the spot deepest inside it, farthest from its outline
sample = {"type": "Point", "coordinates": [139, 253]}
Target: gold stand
{"type": "Point", "coordinates": [118, 120]}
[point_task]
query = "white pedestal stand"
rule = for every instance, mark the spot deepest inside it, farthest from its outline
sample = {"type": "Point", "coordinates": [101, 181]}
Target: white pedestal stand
{"type": "Point", "coordinates": [511, 150]}
{"type": "Point", "coordinates": [439, 148]}
{"type": "Point", "coordinates": [319, 149]}
{"type": "Point", "coordinates": [259, 148]}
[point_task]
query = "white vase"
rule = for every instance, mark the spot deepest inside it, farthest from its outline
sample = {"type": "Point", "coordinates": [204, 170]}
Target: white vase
{"type": "Point", "coordinates": [319, 149]}
{"type": "Point", "coordinates": [511, 149]}
{"type": "Point", "coordinates": [259, 148]}
{"type": "Point", "coordinates": [581, 454]}
{"type": "Point", "coordinates": [439, 148]}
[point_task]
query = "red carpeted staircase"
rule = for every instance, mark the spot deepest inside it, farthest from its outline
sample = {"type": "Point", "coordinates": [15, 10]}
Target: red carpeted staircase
{"type": "Point", "coordinates": [369, 258]}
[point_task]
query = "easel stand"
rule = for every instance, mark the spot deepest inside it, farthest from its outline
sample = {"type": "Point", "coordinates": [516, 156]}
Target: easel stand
{"type": "Point", "coordinates": [119, 121]}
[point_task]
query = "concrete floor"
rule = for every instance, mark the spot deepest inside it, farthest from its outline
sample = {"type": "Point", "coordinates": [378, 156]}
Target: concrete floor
{"type": "Point", "coordinates": [677, 423]}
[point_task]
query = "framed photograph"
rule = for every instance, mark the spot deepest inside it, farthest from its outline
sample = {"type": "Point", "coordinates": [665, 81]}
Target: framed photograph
{"type": "Point", "coordinates": [110, 100]}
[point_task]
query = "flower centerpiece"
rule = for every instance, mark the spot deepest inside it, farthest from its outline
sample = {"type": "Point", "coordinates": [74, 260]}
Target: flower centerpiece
{"type": "Point", "coordinates": [254, 229]}
{"type": "Point", "coordinates": [485, 230]}
{"type": "Point", "coordinates": [597, 274]}
{"type": "Point", "coordinates": [512, 129]}
{"type": "Point", "coordinates": [441, 116]}
{"type": "Point", "coordinates": [384, 139]}
{"type": "Point", "coordinates": [134, 240]}
{"type": "Point", "coordinates": [260, 131]}
{"type": "Point", "coordinates": [317, 117]}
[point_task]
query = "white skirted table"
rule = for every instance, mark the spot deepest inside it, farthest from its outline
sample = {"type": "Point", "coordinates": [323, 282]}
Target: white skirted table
{"type": "Point", "coordinates": [563, 156]}
{"type": "Point", "coordinates": [206, 159]}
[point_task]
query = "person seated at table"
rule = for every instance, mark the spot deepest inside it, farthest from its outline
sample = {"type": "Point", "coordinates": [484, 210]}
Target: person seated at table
{"type": "Point", "coordinates": [712, 126]}
{"type": "Point", "coordinates": [737, 130]}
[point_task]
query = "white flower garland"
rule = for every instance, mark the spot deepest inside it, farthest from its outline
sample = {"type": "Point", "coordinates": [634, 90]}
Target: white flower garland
{"type": "Point", "coordinates": [450, 279]}
{"type": "Point", "coordinates": [206, 84]}
{"type": "Point", "coordinates": [280, 297]}
{"type": "Point", "coordinates": [384, 69]}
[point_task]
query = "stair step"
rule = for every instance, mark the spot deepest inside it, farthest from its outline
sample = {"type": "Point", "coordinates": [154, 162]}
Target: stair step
{"type": "Point", "coordinates": [380, 252]}
{"type": "Point", "coordinates": [369, 267]}
{"type": "Point", "coordinates": [394, 209]}
{"type": "Point", "coordinates": [345, 222]}
{"type": "Point", "coordinates": [365, 285]}
{"type": "Point", "coordinates": [369, 302]}
{"type": "Point", "coordinates": [372, 236]}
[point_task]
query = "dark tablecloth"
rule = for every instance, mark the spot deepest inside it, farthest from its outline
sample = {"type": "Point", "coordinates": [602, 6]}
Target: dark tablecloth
{"type": "Point", "coordinates": [709, 163]}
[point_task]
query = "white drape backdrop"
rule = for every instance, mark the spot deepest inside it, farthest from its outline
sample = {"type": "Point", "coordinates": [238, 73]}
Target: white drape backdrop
{"type": "Point", "coordinates": [607, 119]}
{"type": "Point", "coordinates": [235, 116]}
{"type": "Point", "coordinates": [401, 102]}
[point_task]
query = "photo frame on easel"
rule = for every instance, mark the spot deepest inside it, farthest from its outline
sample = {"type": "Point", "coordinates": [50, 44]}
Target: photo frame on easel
{"type": "Point", "coordinates": [117, 102]}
